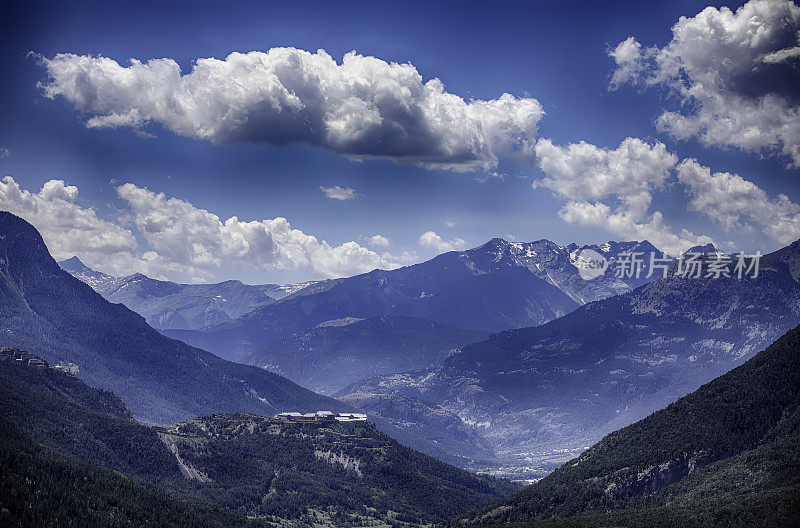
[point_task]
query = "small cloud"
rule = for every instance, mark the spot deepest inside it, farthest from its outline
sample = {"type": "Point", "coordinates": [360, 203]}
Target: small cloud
{"type": "Point", "coordinates": [376, 241]}
{"type": "Point", "coordinates": [431, 240]}
{"type": "Point", "coordinates": [488, 175]}
{"type": "Point", "coordinates": [5, 153]}
{"type": "Point", "coordinates": [450, 224]}
{"type": "Point", "coordinates": [339, 193]}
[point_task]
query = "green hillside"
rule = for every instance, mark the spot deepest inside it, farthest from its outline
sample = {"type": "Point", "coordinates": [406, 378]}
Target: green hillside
{"type": "Point", "coordinates": [348, 472]}
{"type": "Point", "coordinates": [90, 425]}
{"type": "Point", "coordinates": [287, 474]}
{"type": "Point", "coordinates": [41, 489]}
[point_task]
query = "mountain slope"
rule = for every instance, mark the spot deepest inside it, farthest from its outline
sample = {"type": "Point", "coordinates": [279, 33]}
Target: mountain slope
{"type": "Point", "coordinates": [734, 441]}
{"type": "Point", "coordinates": [496, 286]}
{"type": "Point", "coordinates": [47, 311]}
{"type": "Point", "coordinates": [536, 392]}
{"type": "Point", "coordinates": [346, 471]}
{"type": "Point", "coordinates": [88, 425]}
{"type": "Point", "coordinates": [336, 353]}
{"type": "Point", "coordinates": [42, 489]}
{"type": "Point", "coordinates": [288, 473]}
{"type": "Point", "coordinates": [169, 305]}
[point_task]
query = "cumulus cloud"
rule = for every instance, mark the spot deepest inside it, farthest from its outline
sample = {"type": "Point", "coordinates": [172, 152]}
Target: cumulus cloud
{"type": "Point", "coordinates": [735, 76]}
{"type": "Point", "coordinates": [339, 193]}
{"type": "Point", "coordinates": [630, 226]}
{"type": "Point", "coordinates": [736, 203]}
{"type": "Point", "coordinates": [375, 241]}
{"type": "Point", "coordinates": [66, 227]}
{"type": "Point", "coordinates": [198, 238]}
{"type": "Point", "coordinates": [582, 171]}
{"type": "Point", "coordinates": [612, 189]}
{"type": "Point", "coordinates": [157, 235]}
{"type": "Point", "coordinates": [5, 153]}
{"type": "Point", "coordinates": [361, 108]}
{"type": "Point", "coordinates": [431, 240]}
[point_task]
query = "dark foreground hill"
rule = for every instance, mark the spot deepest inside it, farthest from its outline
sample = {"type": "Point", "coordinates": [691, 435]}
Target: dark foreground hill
{"type": "Point", "coordinates": [325, 472]}
{"type": "Point", "coordinates": [41, 489]}
{"type": "Point", "coordinates": [726, 455]}
{"type": "Point", "coordinates": [292, 474]}
{"type": "Point", "coordinates": [47, 311]}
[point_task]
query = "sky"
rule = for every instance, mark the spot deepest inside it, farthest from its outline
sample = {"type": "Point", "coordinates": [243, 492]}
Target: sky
{"type": "Point", "coordinates": [289, 141]}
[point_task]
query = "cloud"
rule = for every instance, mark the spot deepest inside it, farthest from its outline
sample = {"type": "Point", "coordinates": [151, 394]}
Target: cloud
{"type": "Point", "coordinates": [736, 203]}
{"type": "Point", "coordinates": [612, 189]}
{"type": "Point", "coordinates": [735, 77]}
{"type": "Point", "coordinates": [198, 238]}
{"type": "Point", "coordinates": [450, 224]}
{"type": "Point", "coordinates": [431, 240]}
{"type": "Point", "coordinates": [5, 153]}
{"type": "Point", "coordinates": [630, 226]}
{"type": "Point", "coordinates": [582, 171]}
{"type": "Point", "coordinates": [338, 193]}
{"type": "Point", "coordinates": [362, 108]}
{"type": "Point", "coordinates": [157, 235]}
{"type": "Point", "coordinates": [66, 227]}
{"type": "Point", "coordinates": [375, 241]}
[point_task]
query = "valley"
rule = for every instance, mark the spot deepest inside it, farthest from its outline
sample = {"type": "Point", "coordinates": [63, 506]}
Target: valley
{"type": "Point", "coordinates": [270, 264]}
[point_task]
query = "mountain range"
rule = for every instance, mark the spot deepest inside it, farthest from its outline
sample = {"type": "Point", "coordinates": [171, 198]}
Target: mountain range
{"type": "Point", "coordinates": [497, 286]}
{"type": "Point", "coordinates": [404, 319]}
{"type": "Point", "coordinates": [725, 455]}
{"type": "Point", "coordinates": [539, 395]}
{"type": "Point", "coordinates": [168, 305]}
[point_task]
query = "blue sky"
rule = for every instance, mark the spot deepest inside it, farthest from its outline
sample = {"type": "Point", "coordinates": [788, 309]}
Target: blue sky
{"type": "Point", "coordinates": [554, 53]}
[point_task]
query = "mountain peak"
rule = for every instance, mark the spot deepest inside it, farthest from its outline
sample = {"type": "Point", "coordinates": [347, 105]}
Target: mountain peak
{"type": "Point", "coordinates": [496, 242]}
{"type": "Point", "coordinates": [704, 249]}
{"type": "Point", "coordinates": [22, 240]}
{"type": "Point", "coordinates": [74, 265]}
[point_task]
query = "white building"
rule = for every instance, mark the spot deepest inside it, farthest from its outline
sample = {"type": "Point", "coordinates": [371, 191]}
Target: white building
{"type": "Point", "coordinates": [321, 416]}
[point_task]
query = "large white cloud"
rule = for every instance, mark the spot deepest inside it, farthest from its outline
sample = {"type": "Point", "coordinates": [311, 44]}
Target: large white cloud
{"type": "Point", "coordinates": [612, 189]}
{"type": "Point", "coordinates": [736, 76]}
{"type": "Point", "coordinates": [362, 108]}
{"type": "Point", "coordinates": [162, 236]}
{"type": "Point", "coordinates": [736, 203]}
